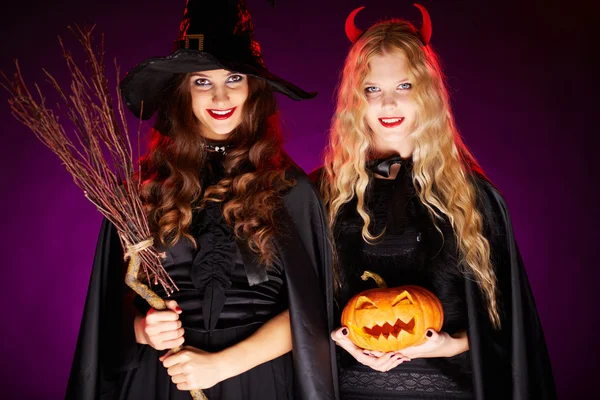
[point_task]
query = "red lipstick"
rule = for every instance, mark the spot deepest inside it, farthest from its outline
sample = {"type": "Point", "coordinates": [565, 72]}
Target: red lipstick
{"type": "Point", "coordinates": [221, 114]}
{"type": "Point", "coordinates": [391, 122]}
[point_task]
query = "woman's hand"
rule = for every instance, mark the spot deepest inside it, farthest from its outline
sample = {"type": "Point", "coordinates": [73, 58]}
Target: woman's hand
{"type": "Point", "coordinates": [192, 368]}
{"type": "Point", "coordinates": [438, 344]}
{"type": "Point", "coordinates": [377, 360]}
{"type": "Point", "coordinates": [160, 329]}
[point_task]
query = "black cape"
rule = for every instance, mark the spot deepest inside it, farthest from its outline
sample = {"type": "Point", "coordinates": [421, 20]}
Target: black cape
{"type": "Point", "coordinates": [513, 362]}
{"type": "Point", "coordinates": [106, 343]}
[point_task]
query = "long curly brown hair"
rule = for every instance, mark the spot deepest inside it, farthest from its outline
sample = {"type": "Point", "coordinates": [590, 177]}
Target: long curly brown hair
{"type": "Point", "coordinates": [254, 180]}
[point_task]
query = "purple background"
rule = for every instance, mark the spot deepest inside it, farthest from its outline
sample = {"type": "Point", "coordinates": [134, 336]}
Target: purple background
{"type": "Point", "coordinates": [521, 82]}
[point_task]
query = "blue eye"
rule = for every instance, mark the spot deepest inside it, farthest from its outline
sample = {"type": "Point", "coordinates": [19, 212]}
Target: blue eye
{"type": "Point", "coordinates": [235, 78]}
{"type": "Point", "coordinates": [405, 86]}
{"type": "Point", "coordinates": [371, 89]}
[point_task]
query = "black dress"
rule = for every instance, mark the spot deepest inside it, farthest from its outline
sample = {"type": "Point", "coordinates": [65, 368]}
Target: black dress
{"type": "Point", "coordinates": [225, 296]}
{"type": "Point", "coordinates": [219, 309]}
{"type": "Point", "coordinates": [506, 362]}
{"type": "Point", "coordinates": [411, 252]}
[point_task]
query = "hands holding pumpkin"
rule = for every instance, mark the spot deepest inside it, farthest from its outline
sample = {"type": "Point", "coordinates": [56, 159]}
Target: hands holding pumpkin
{"type": "Point", "coordinates": [404, 321]}
{"type": "Point", "coordinates": [377, 360]}
{"type": "Point", "coordinates": [438, 344]}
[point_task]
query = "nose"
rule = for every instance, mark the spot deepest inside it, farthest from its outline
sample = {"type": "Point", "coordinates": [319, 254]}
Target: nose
{"type": "Point", "coordinates": [389, 100]}
{"type": "Point", "coordinates": [220, 95]}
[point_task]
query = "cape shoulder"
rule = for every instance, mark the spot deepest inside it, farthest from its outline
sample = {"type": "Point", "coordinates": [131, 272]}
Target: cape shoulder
{"type": "Point", "coordinates": [305, 186]}
{"type": "Point", "coordinates": [489, 196]}
{"type": "Point", "coordinates": [316, 175]}
{"type": "Point", "coordinates": [306, 254]}
{"type": "Point", "coordinates": [306, 211]}
{"type": "Point", "coordinates": [497, 223]}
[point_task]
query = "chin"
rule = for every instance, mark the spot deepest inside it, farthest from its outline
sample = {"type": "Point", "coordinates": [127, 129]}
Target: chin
{"type": "Point", "coordinates": [223, 132]}
{"type": "Point", "coordinates": [393, 137]}
{"type": "Point", "coordinates": [225, 129]}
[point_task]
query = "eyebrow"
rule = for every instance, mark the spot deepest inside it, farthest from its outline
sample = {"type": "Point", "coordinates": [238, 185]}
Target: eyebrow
{"type": "Point", "coordinates": [200, 74]}
{"type": "Point", "coordinates": [375, 84]}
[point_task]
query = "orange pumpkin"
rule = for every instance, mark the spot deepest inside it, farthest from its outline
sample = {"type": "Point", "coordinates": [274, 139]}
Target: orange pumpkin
{"type": "Point", "coordinates": [391, 319]}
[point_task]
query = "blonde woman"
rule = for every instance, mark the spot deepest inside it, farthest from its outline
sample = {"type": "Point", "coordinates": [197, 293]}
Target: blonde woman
{"type": "Point", "coordinates": [407, 200]}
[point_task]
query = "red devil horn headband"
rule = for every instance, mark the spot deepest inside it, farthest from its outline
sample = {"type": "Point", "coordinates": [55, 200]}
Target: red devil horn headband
{"type": "Point", "coordinates": [425, 31]}
{"type": "Point", "coordinates": [354, 33]}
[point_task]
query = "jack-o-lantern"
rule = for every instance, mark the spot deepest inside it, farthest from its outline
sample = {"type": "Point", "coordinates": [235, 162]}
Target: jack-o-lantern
{"type": "Point", "coordinates": [391, 319]}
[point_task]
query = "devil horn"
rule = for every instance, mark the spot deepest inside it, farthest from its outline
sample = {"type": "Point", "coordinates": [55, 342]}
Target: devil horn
{"type": "Point", "coordinates": [352, 31]}
{"type": "Point", "coordinates": [425, 31]}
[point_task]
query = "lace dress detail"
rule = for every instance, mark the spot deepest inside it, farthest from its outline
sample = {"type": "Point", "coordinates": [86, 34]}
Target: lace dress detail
{"type": "Point", "coordinates": [413, 383]}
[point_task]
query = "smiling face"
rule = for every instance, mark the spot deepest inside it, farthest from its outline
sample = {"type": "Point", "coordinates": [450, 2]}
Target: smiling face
{"type": "Point", "coordinates": [391, 111]}
{"type": "Point", "coordinates": [218, 98]}
{"type": "Point", "coordinates": [392, 319]}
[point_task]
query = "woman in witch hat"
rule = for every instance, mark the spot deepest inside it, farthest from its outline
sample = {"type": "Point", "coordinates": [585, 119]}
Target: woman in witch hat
{"type": "Point", "coordinates": [241, 228]}
{"type": "Point", "coordinates": [408, 201]}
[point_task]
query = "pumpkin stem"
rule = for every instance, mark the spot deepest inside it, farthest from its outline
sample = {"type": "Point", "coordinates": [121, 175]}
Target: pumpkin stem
{"type": "Point", "coordinates": [378, 279]}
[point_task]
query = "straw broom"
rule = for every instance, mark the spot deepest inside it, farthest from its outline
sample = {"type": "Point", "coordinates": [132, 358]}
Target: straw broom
{"type": "Point", "coordinates": [99, 130]}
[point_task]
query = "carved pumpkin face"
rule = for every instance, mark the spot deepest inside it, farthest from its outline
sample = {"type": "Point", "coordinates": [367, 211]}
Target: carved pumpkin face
{"type": "Point", "coordinates": [392, 319]}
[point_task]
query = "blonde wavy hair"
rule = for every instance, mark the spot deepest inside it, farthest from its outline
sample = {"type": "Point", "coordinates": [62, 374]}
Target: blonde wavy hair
{"type": "Point", "coordinates": [443, 166]}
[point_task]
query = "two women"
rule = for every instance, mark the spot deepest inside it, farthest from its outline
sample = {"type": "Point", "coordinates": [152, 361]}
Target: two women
{"type": "Point", "coordinates": [246, 241]}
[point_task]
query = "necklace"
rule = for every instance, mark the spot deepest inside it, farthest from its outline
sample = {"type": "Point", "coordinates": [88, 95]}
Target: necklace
{"type": "Point", "coordinates": [217, 147]}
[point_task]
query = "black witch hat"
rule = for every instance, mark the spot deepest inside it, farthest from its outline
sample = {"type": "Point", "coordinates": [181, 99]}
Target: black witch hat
{"type": "Point", "coordinates": [214, 34]}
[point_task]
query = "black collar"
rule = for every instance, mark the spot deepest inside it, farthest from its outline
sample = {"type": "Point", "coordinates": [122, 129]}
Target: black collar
{"type": "Point", "coordinates": [381, 166]}
{"type": "Point", "coordinates": [217, 147]}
